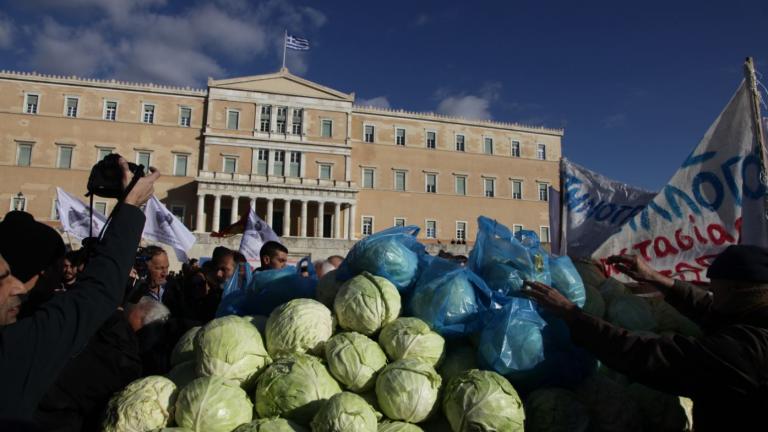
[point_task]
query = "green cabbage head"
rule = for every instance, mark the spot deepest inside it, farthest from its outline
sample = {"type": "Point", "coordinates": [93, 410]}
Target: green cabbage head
{"type": "Point", "coordinates": [411, 338]}
{"type": "Point", "coordinates": [299, 326]}
{"type": "Point", "coordinates": [365, 303]}
{"type": "Point", "coordinates": [345, 412]}
{"type": "Point", "coordinates": [275, 424]}
{"type": "Point", "coordinates": [397, 426]}
{"type": "Point", "coordinates": [144, 404]}
{"type": "Point", "coordinates": [231, 347]}
{"type": "Point", "coordinates": [408, 390]}
{"type": "Point", "coordinates": [212, 404]}
{"type": "Point", "coordinates": [354, 360]}
{"type": "Point", "coordinates": [555, 410]}
{"type": "Point", "coordinates": [482, 401]}
{"type": "Point", "coordinates": [185, 347]}
{"type": "Point", "coordinates": [294, 387]}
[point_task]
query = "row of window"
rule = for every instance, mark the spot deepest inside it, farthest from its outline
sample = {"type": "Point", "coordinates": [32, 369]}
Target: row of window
{"type": "Point", "coordinates": [460, 184]}
{"type": "Point", "coordinates": [430, 230]}
{"type": "Point", "coordinates": [110, 110]}
{"type": "Point", "coordinates": [148, 111]}
{"type": "Point", "coordinates": [278, 163]}
{"type": "Point", "coordinates": [430, 142]}
{"type": "Point", "coordinates": [66, 152]}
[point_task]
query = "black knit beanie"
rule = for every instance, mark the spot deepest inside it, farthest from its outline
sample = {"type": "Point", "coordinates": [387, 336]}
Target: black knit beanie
{"type": "Point", "coordinates": [28, 246]}
{"type": "Point", "coordinates": [741, 263]}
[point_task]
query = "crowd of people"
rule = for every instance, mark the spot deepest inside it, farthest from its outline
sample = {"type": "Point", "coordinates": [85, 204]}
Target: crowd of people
{"type": "Point", "coordinates": [77, 326]}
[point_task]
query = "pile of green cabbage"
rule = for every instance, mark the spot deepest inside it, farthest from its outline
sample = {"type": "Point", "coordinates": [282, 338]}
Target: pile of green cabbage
{"type": "Point", "coordinates": [357, 361]}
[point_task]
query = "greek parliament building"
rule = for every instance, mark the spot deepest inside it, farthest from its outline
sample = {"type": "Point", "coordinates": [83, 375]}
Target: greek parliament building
{"type": "Point", "coordinates": [311, 162]}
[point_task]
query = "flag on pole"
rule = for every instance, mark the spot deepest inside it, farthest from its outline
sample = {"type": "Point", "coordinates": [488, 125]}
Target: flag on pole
{"type": "Point", "coordinates": [162, 226]}
{"type": "Point", "coordinates": [704, 207]}
{"type": "Point", "coordinates": [75, 216]}
{"type": "Point", "coordinates": [296, 43]}
{"type": "Point", "coordinates": [256, 233]}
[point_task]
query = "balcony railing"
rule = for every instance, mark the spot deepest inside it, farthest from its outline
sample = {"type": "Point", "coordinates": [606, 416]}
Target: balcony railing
{"type": "Point", "coordinates": [272, 179]}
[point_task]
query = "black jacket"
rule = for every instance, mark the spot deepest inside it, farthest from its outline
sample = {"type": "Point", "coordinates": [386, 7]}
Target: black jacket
{"type": "Point", "coordinates": [34, 350]}
{"type": "Point", "coordinates": [173, 297]}
{"type": "Point", "coordinates": [79, 397]}
{"type": "Point", "coordinates": [724, 372]}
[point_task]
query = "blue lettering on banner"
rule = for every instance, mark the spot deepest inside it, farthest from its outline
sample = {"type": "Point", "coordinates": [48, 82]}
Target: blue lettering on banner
{"type": "Point", "coordinates": [717, 188]}
{"type": "Point", "coordinates": [708, 189]}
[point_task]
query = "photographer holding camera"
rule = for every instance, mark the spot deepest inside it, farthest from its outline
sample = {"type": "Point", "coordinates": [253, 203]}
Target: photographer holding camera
{"type": "Point", "coordinates": [34, 349]}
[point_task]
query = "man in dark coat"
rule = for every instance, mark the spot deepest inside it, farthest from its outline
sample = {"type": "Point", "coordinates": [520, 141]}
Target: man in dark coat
{"type": "Point", "coordinates": [724, 372]}
{"type": "Point", "coordinates": [78, 399]}
{"type": "Point", "coordinates": [34, 350]}
{"type": "Point", "coordinates": [159, 286]}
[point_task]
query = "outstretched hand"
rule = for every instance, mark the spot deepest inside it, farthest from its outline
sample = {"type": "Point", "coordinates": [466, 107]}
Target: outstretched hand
{"type": "Point", "coordinates": [550, 299]}
{"type": "Point", "coordinates": [143, 189]}
{"type": "Point", "coordinates": [639, 270]}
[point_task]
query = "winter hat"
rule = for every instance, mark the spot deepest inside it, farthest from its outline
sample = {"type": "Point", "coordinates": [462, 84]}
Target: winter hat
{"type": "Point", "coordinates": [741, 263]}
{"type": "Point", "coordinates": [28, 246]}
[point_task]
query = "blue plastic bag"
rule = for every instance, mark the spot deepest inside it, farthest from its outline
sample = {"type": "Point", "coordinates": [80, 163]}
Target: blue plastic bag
{"type": "Point", "coordinates": [499, 258]}
{"type": "Point", "coordinates": [234, 290]}
{"type": "Point", "coordinates": [269, 289]}
{"type": "Point", "coordinates": [566, 279]}
{"type": "Point", "coordinates": [449, 298]}
{"type": "Point", "coordinates": [393, 253]}
{"type": "Point", "coordinates": [564, 364]}
{"type": "Point", "coordinates": [511, 339]}
{"type": "Point", "coordinates": [538, 267]}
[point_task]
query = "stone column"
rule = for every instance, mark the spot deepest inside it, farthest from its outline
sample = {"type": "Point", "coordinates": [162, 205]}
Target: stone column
{"type": "Point", "coordinates": [337, 220]}
{"type": "Point", "coordinates": [303, 231]}
{"type": "Point", "coordinates": [253, 204]}
{"type": "Point", "coordinates": [346, 220]}
{"type": "Point", "coordinates": [352, 223]}
{"type": "Point", "coordinates": [287, 218]}
{"type": "Point", "coordinates": [200, 222]}
{"type": "Point", "coordinates": [270, 210]}
{"type": "Point", "coordinates": [216, 212]}
{"type": "Point", "coordinates": [235, 215]}
{"type": "Point", "coordinates": [320, 218]}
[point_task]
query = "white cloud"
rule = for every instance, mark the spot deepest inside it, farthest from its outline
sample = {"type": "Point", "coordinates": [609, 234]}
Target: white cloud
{"type": "Point", "coordinates": [138, 40]}
{"type": "Point", "coordinates": [378, 102]}
{"type": "Point", "coordinates": [7, 30]}
{"type": "Point", "coordinates": [470, 107]}
{"type": "Point", "coordinates": [63, 50]}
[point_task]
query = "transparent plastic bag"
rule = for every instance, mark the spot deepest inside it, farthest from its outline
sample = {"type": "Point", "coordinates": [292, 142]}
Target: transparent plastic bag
{"type": "Point", "coordinates": [393, 253]}
{"type": "Point", "coordinates": [566, 279]}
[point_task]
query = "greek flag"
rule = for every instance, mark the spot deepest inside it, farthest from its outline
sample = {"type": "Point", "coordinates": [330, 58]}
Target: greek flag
{"type": "Point", "coordinates": [296, 43]}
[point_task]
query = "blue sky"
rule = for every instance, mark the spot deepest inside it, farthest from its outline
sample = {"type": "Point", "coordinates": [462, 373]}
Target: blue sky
{"type": "Point", "coordinates": [634, 85]}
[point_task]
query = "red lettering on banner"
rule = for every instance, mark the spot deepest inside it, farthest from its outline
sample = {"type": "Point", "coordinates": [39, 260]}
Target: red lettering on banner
{"type": "Point", "coordinates": [663, 247]}
{"type": "Point", "coordinates": [737, 225]}
{"type": "Point", "coordinates": [642, 247]}
{"type": "Point", "coordinates": [722, 234]}
{"type": "Point", "coordinates": [684, 241]}
{"type": "Point", "coordinates": [683, 267]}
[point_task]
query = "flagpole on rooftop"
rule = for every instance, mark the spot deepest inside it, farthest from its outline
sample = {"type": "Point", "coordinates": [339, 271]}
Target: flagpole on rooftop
{"type": "Point", "coordinates": [757, 126]}
{"type": "Point", "coordinates": [285, 38]}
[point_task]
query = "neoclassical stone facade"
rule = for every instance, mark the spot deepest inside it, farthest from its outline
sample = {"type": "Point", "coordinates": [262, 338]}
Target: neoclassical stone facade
{"type": "Point", "coordinates": [305, 157]}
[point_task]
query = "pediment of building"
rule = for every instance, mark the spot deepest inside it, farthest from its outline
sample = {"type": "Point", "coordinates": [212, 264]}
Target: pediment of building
{"type": "Point", "coordinates": [284, 83]}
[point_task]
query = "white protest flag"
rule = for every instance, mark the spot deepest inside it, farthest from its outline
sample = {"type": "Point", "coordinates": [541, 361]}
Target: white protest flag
{"type": "Point", "coordinates": [699, 212]}
{"type": "Point", "coordinates": [594, 208]}
{"type": "Point", "coordinates": [256, 233]}
{"type": "Point", "coordinates": [162, 226]}
{"type": "Point", "coordinates": [75, 216]}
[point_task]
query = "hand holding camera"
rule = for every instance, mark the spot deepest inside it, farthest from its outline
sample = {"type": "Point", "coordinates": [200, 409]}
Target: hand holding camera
{"type": "Point", "coordinates": [144, 187]}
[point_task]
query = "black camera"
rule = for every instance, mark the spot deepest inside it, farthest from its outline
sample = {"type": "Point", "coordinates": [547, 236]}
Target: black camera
{"type": "Point", "coordinates": [106, 179]}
